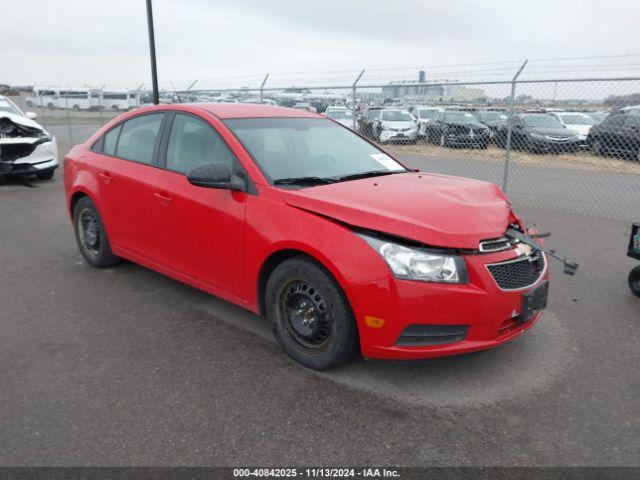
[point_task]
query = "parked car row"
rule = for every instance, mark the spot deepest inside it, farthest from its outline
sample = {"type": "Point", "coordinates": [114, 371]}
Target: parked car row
{"type": "Point", "coordinates": [603, 133]}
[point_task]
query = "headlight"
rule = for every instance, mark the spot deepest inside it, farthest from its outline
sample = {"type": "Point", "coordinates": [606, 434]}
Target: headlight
{"type": "Point", "coordinates": [45, 137]}
{"type": "Point", "coordinates": [537, 135]}
{"type": "Point", "coordinates": [418, 264]}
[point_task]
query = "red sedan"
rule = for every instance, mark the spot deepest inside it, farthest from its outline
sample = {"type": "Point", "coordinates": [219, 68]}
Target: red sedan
{"type": "Point", "coordinates": [291, 215]}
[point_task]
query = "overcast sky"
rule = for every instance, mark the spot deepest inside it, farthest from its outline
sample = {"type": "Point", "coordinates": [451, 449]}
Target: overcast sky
{"type": "Point", "coordinates": [77, 42]}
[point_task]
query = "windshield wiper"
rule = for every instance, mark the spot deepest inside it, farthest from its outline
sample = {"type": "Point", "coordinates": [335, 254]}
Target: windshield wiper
{"type": "Point", "coordinates": [303, 181]}
{"type": "Point", "coordinates": [372, 173]}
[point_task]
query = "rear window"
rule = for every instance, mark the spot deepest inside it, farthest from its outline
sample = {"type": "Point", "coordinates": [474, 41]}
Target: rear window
{"type": "Point", "coordinates": [138, 137]}
{"type": "Point", "coordinates": [110, 141]}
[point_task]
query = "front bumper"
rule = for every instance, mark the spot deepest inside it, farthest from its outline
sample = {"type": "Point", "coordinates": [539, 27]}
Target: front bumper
{"type": "Point", "coordinates": [556, 146]}
{"type": "Point", "coordinates": [467, 140]}
{"type": "Point", "coordinates": [392, 135]}
{"type": "Point", "coordinates": [44, 157]}
{"type": "Point", "coordinates": [481, 308]}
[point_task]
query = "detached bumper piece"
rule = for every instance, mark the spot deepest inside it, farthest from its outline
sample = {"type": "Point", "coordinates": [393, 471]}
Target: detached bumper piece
{"type": "Point", "coordinates": [417, 335]}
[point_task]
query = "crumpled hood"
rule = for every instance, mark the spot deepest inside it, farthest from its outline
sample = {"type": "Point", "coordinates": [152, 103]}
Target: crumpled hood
{"type": "Point", "coordinates": [21, 120]}
{"type": "Point", "coordinates": [436, 210]}
{"type": "Point", "coordinates": [18, 129]}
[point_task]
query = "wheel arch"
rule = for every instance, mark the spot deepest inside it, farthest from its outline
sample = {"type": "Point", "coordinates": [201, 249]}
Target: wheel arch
{"type": "Point", "coordinates": [284, 253]}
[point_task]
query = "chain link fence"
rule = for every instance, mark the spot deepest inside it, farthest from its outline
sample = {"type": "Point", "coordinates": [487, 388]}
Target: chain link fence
{"type": "Point", "coordinates": [570, 144]}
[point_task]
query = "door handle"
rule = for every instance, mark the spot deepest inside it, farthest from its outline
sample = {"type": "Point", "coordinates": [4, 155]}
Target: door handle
{"type": "Point", "coordinates": [106, 177]}
{"type": "Point", "coordinates": [164, 198]}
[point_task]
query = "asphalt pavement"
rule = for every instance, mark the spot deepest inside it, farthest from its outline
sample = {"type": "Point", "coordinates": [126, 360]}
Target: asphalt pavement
{"type": "Point", "coordinates": [126, 367]}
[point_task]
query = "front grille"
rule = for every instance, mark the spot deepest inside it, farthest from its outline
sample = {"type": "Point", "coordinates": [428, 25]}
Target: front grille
{"type": "Point", "coordinates": [519, 273]}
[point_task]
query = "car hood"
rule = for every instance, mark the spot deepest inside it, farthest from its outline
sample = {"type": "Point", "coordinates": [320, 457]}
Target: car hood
{"type": "Point", "coordinates": [471, 126]}
{"type": "Point", "coordinates": [553, 131]}
{"type": "Point", "coordinates": [402, 124]}
{"type": "Point", "coordinates": [21, 120]}
{"type": "Point", "coordinates": [436, 210]}
{"type": "Point", "coordinates": [580, 129]}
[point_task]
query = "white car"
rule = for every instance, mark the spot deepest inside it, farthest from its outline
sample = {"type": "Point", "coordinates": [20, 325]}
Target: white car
{"type": "Point", "coordinates": [395, 125]}
{"type": "Point", "coordinates": [423, 116]}
{"type": "Point", "coordinates": [26, 148]}
{"type": "Point", "coordinates": [578, 122]}
{"type": "Point", "coordinates": [342, 115]}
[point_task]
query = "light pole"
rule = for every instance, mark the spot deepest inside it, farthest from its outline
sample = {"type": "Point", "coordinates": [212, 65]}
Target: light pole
{"type": "Point", "coordinates": [152, 52]}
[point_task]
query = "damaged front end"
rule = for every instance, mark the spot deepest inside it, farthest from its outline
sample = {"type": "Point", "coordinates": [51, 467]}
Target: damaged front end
{"type": "Point", "coordinates": [19, 138]}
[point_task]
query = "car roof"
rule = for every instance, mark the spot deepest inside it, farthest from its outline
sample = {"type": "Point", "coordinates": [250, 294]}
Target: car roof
{"type": "Point", "coordinates": [249, 110]}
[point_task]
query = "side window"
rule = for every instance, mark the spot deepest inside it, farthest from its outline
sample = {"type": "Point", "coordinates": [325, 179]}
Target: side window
{"type": "Point", "coordinates": [193, 142]}
{"type": "Point", "coordinates": [138, 137]}
{"type": "Point", "coordinates": [110, 140]}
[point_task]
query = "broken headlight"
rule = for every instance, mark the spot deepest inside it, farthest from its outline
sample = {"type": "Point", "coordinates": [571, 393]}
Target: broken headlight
{"type": "Point", "coordinates": [45, 137]}
{"type": "Point", "coordinates": [411, 263]}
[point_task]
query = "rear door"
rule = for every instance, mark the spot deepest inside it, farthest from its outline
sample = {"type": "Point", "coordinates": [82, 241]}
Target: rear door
{"type": "Point", "coordinates": [125, 173]}
{"type": "Point", "coordinates": [203, 228]}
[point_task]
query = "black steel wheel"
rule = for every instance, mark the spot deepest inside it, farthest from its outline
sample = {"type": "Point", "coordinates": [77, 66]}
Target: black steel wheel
{"type": "Point", "coordinates": [304, 313]}
{"type": "Point", "coordinates": [310, 315]}
{"type": "Point", "coordinates": [634, 280]}
{"type": "Point", "coordinates": [91, 235]}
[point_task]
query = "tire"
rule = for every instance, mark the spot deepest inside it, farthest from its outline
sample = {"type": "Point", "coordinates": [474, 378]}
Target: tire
{"type": "Point", "coordinates": [91, 235]}
{"type": "Point", "coordinates": [484, 146]}
{"type": "Point", "coordinates": [310, 315]}
{"type": "Point", "coordinates": [598, 148]}
{"type": "Point", "coordinates": [76, 107]}
{"type": "Point", "coordinates": [45, 175]}
{"type": "Point", "coordinates": [634, 280]}
{"type": "Point", "coordinates": [115, 108]}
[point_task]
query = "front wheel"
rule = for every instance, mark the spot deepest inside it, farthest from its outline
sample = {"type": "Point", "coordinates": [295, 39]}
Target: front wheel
{"type": "Point", "coordinates": [310, 315]}
{"type": "Point", "coordinates": [597, 148]}
{"type": "Point", "coordinates": [634, 280]}
{"type": "Point", "coordinates": [91, 235]}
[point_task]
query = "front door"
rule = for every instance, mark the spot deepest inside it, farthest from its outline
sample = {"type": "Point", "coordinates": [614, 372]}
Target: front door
{"type": "Point", "coordinates": [203, 228]}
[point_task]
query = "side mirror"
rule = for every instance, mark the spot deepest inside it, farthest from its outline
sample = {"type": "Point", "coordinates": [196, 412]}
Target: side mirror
{"type": "Point", "coordinates": [216, 175]}
{"type": "Point", "coordinates": [31, 115]}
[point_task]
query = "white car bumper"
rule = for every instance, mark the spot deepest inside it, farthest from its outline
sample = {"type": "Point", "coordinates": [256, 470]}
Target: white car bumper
{"type": "Point", "coordinates": [390, 135]}
{"type": "Point", "coordinates": [43, 157]}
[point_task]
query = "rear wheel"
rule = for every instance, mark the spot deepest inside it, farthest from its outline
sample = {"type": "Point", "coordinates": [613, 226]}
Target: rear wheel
{"type": "Point", "coordinates": [634, 280]}
{"type": "Point", "coordinates": [91, 236]}
{"type": "Point", "coordinates": [310, 315]}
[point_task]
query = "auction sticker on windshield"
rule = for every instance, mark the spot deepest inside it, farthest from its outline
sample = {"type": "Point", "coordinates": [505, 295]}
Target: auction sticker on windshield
{"type": "Point", "coordinates": [386, 161]}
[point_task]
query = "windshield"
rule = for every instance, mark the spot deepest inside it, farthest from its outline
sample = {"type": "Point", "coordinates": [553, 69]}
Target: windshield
{"type": "Point", "coordinates": [542, 121]}
{"type": "Point", "coordinates": [574, 119]}
{"type": "Point", "coordinates": [7, 106]}
{"type": "Point", "coordinates": [491, 116]}
{"type": "Point", "coordinates": [460, 117]}
{"type": "Point", "coordinates": [598, 116]}
{"type": "Point", "coordinates": [426, 114]}
{"type": "Point", "coordinates": [339, 114]}
{"type": "Point", "coordinates": [396, 116]}
{"type": "Point", "coordinates": [308, 147]}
